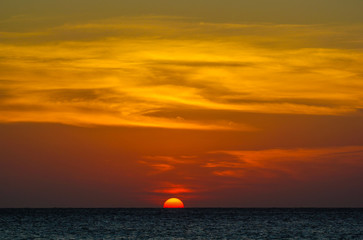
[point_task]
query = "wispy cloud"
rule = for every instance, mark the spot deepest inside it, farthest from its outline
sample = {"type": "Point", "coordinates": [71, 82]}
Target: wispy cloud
{"type": "Point", "coordinates": [300, 164]}
{"type": "Point", "coordinates": [169, 188]}
{"type": "Point", "coordinates": [260, 169]}
{"type": "Point", "coordinates": [124, 71]}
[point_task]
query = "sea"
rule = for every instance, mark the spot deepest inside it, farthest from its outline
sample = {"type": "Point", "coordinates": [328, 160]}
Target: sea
{"type": "Point", "coordinates": [187, 223]}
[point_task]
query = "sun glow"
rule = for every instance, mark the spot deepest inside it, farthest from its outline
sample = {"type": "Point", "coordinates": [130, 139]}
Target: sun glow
{"type": "Point", "coordinates": [173, 203]}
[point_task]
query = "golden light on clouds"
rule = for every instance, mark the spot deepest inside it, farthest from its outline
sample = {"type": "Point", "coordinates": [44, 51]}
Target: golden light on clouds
{"type": "Point", "coordinates": [121, 71]}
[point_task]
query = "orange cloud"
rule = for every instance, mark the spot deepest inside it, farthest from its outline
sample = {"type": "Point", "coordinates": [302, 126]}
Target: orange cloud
{"type": "Point", "coordinates": [299, 164]}
{"type": "Point", "coordinates": [107, 73]}
{"type": "Point", "coordinates": [231, 173]}
{"type": "Point", "coordinates": [174, 189]}
{"type": "Point", "coordinates": [162, 167]}
{"type": "Point", "coordinates": [261, 169]}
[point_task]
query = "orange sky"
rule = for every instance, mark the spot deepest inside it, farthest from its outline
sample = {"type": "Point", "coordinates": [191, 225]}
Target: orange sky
{"type": "Point", "coordinates": [100, 108]}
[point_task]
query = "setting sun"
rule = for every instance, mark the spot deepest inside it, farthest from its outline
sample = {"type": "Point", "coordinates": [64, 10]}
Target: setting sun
{"type": "Point", "coordinates": [173, 203]}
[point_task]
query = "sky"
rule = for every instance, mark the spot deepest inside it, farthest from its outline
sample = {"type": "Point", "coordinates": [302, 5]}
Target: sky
{"type": "Point", "coordinates": [221, 104]}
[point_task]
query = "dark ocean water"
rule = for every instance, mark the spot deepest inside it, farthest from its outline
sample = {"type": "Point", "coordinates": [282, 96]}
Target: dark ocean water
{"type": "Point", "coordinates": [186, 223]}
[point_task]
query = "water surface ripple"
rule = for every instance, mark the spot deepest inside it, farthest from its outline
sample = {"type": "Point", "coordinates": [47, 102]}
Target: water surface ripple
{"type": "Point", "coordinates": [192, 223]}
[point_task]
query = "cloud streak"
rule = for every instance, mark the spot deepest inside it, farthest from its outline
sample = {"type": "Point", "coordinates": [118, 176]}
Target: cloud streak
{"type": "Point", "coordinates": [122, 71]}
{"type": "Point", "coordinates": [276, 170]}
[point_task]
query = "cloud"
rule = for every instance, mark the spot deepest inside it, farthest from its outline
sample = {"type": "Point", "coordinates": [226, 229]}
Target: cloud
{"type": "Point", "coordinates": [170, 188]}
{"type": "Point", "coordinates": [331, 170]}
{"type": "Point", "coordinates": [129, 71]}
{"type": "Point", "coordinates": [162, 167]}
{"type": "Point", "coordinates": [299, 164]}
{"type": "Point", "coordinates": [166, 163]}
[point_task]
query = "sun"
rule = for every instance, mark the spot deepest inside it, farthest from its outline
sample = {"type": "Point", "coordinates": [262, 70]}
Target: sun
{"type": "Point", "coordinates": [173, 203]}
